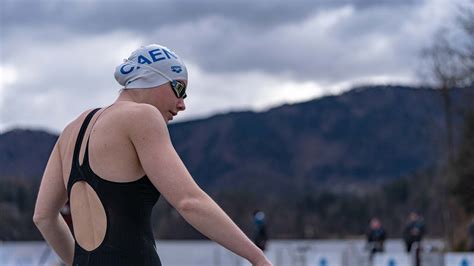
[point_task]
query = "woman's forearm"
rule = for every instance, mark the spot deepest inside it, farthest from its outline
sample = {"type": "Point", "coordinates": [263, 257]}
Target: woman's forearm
{"type": "Point", "coordinates": [209, 219]}
{"type": "Point", "coordinates": [56, 232]}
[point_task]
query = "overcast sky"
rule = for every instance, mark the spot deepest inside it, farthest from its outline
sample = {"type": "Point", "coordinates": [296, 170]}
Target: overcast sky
{"type": "Point", "coordinates": [57, 58]}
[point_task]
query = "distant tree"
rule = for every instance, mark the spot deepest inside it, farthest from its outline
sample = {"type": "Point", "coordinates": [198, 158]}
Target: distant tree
{"type": "Point", "coordinates": [464, 168]}
{"type": "Point", "coordinates": [450, 61]}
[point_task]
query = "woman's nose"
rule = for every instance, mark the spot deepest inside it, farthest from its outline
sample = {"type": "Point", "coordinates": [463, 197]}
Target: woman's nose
{"type": "Point", "coordinates": [181, 105]}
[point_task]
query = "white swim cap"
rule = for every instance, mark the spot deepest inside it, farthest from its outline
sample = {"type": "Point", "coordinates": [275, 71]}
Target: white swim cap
{"type": "Point", "coordinates": [150, 66]}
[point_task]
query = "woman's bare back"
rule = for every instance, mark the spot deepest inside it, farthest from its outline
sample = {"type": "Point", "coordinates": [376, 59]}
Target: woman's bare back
{"type": "Point", "coordinates": [111, 156]}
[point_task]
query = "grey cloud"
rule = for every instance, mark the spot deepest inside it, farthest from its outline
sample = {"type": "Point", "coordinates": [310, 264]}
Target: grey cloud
{"type": "Point", "coordinates": [53, 43]}
{"type": "Point", "coordinates": [102, 16]}
{"type": "Point", "coordinates": [209, 33]}
{"type": "Point", "coordinates": [344, 50]}
{"type": "Point", "coordinates": [225, 36]}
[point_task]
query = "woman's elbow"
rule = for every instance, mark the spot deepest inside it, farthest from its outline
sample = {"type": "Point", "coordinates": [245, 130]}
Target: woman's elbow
{"type": "Point", "coordinates": [39, 219]}
{"type": "Point", "coordinates": [194, 202]}
{"type": "Point", "coordinates": [188, 205]}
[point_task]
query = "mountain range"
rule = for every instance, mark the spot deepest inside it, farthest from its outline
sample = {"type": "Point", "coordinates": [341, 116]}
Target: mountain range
{"type": "Point", "coordinates": [367, 135]}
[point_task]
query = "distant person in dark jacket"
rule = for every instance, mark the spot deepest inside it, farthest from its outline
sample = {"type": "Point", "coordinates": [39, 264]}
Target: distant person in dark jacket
{"type": "Point", "coordinates": [414, 230]}
{"type": "Point", "coordinates": [376, 236]}
{"type": "Point", "coordinates": [260, 235]}
{"type": "Point", "coordinates": [471, 235]}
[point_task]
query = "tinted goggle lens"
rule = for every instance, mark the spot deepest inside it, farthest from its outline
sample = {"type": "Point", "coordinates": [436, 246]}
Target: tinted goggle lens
{"type": "Point", "coordinates": [179, 89]}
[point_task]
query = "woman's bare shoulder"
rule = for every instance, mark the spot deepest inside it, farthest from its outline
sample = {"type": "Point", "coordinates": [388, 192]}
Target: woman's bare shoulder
{"type": "Point", "coordinates": [124, 115]}
{"type": "Point", "coordinates": [133, 108]}
{"type": "Point", "coordinates": [133, 113]}
{"type": "Point", "coordinates": [139, 119]}
{"type": "Point", "coordinates": [73, 126]}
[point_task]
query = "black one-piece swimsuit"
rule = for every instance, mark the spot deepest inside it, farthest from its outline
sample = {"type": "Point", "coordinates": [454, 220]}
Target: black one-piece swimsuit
{"type": "Point", "coordinates": [129, 238]}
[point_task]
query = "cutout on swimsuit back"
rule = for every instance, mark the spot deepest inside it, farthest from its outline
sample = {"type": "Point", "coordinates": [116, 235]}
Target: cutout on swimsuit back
{"type": "Point", "coordinates": [87, 211]}
{"type": "Point", "coordinates": [88, 214]}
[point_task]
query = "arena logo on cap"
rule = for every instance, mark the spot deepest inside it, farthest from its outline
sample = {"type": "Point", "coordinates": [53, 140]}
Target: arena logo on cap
{"type": "Point", "coordinates": [155, 56]}
{"type": "Point", "coordinates": [176, 69]}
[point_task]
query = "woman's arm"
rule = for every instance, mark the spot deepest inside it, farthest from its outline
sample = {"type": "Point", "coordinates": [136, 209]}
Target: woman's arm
{"type": "Point", "coordinates": [52, 196]}
{"type": "Point", "coordinates": [167, 172]}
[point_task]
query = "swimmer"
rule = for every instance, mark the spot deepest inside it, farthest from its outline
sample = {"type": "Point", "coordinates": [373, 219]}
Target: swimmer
{"type": "Point", "coordinates": [113, 164]}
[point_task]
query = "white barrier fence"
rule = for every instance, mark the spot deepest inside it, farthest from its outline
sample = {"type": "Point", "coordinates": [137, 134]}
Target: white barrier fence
{"type": "Point", "coordinates": [280, 252]}
{"type": "Point", "coordinates": [392, 259]}
{"type": "Point", "coordinates": [29, 253]}
{"type": "Point", "coordinates": [459, 259]}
